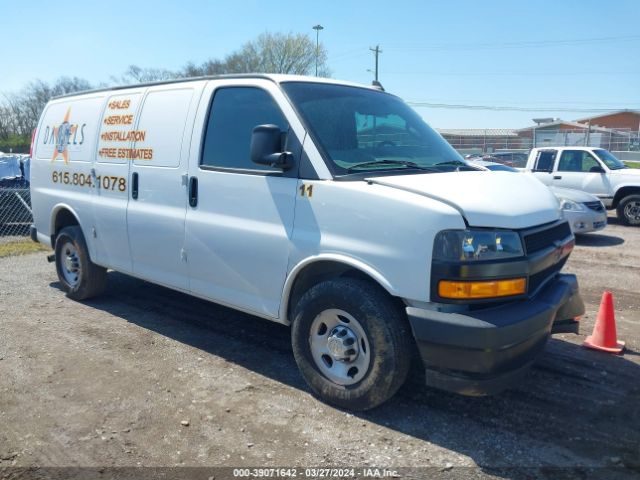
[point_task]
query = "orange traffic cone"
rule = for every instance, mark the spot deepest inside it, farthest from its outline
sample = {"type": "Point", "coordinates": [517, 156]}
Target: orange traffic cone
{"type": "Point", "coordinates": [604, 332]}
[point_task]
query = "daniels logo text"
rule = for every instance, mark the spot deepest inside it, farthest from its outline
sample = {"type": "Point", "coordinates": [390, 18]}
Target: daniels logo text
{"type": "Point", "coordinates": [63, 135]}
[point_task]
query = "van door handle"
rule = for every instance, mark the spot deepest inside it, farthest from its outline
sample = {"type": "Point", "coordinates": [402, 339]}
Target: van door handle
{"type": "Point", "coordinates": [193, 191]}
{"type": "Point", "coordinates": [557, 177]}
{"type": "Point", "coordinates": [134, 185]}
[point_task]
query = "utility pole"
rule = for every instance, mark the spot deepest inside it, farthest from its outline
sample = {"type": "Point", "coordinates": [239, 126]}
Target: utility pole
{"type": "Point", "coordinates": [587, 137]}
{"type": "Point", "coordinates": [317, 28]}
{"type": "Point", "coordinates": [377, 52]}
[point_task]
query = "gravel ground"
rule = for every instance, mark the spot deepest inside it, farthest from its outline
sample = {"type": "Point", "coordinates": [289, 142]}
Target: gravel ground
{"type": "Point", "coordinates": [144, 376]}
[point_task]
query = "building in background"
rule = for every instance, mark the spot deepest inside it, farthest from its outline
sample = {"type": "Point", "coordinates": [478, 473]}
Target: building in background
{"type": "Point", "coordinates": [616, 131]}
{"type": "Point", "coordinates": [620, 120]}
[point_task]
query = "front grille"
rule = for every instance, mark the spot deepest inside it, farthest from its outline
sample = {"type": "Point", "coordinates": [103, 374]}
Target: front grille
{"type": "Point", "coordinates": [546, 238]}
{"type": "Point", "coordinates": [537, 279]}
{"type": "Point", "coordinates": [597, 206]}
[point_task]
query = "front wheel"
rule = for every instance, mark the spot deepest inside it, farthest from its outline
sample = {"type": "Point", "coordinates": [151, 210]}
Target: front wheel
{"type": "Point", "coordinates": [629, 210]}
{"type": "Point", "coordinates": [351, 343]}
{"type": "Point", "coordinates": [79, 276]}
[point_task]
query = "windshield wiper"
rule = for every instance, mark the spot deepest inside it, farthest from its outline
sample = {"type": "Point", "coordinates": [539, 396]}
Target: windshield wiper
{"type": "Point", "coordinates": [404, 163]}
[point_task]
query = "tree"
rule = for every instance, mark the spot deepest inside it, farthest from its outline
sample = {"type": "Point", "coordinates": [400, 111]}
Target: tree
{"type": "Point", "coordinates": [136, 74]}
{"type": "Point", "coordinates": [210, 67]}
{"type": "Point", "coordinates": [21, 111]}
{"type": "Point", "coordinates": [269, 53]}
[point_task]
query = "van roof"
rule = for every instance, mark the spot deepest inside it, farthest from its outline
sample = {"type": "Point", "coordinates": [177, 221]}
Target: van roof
{"type": "Point", "coordinates": [277, 78]}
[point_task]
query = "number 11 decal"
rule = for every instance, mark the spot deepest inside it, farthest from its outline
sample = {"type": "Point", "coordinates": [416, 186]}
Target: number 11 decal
{"type": "Point", "coordinates": [306, 190]}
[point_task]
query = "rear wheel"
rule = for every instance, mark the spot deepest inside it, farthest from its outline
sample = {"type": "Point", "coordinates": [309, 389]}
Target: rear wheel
{"type": "Point", "coordinates": [629, 210]}
{"type": "Point", "coordinates": [79, 276]}
{"type": "Point", "coordinates": [351, 343]}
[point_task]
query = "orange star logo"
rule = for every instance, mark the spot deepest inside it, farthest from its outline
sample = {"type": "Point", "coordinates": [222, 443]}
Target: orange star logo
{"type": "Point", "coordinates": [62, 134]}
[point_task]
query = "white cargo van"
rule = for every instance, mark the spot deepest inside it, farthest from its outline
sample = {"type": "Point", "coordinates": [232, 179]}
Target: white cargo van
{"type": "Point", "coordinates": [323, 205]}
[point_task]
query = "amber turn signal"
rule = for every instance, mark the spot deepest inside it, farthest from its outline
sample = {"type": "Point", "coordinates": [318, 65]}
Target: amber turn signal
{"type": "Point", "coordinates": [490, 289]}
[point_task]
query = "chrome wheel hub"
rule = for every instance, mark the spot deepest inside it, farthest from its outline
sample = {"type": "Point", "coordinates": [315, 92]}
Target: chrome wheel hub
{"type": "Point", "coordinates": [70, 264]}
{"type": "Point", "coordinates": [343, 344]}
{"type": "Point", "coordinates": [340, 347]}
{"type": "Point", "coordinates": [632, 212]}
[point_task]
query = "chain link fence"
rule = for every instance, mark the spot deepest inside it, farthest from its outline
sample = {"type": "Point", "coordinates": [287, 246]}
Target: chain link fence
{"type": "Point", "coordinates": [15, 213]}
{"type": "Point", "coordinates": [15, 197]}
{"type": "Point", "coordinates": [494, 140]}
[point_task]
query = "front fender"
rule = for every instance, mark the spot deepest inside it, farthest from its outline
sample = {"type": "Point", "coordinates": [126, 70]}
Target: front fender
{"type": "Point", "coordinates": [350, 262]}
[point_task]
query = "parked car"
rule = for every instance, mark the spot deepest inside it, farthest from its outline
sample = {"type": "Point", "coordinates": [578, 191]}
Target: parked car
{"type": "Point", "coordinates": [257, 192]}
{"type": "Point", "coordinates": [512, 159]}
{"type": "Point", "coordinates": [584, 212]}
{"type": "Point", "coordinates": [592, 170]}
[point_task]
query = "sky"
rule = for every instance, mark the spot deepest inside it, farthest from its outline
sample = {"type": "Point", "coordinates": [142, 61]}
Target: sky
{"type": "Point", "coordinates": [517, 57]}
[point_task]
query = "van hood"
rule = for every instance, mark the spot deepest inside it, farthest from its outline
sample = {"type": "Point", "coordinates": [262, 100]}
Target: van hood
{"type": "Point", "coordinates": [484, 199]}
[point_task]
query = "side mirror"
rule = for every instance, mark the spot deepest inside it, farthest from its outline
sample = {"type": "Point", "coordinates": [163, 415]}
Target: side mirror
{"type": "Point", "coordinates": [596, 169]}
{"type": "Point", "coordinates": [266, 147]}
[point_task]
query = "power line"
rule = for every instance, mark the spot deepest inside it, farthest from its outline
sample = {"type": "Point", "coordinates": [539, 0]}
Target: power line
{"type": "Point", "coordinates": [520, 44]}
{"type": "Point", "coordinates": [540, 104]}
{"type": "Point", "coordinates": [505, 108]}
{"type": "Point", "coordinates": [513, 74]}
{"type": "Point", "coordinates": [349, 53]}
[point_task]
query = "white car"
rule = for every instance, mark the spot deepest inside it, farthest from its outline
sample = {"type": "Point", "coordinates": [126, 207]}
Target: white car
{"type": "Point", "coordinates": [584, 212]}
{"type": "Point", "coordinates": [328, 206]}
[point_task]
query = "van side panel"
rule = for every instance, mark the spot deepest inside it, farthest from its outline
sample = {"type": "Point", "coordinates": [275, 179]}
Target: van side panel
{"type": "Point", "coordinates": [61, 167]}
{"type": "Point", "coordinates": [156, 218]}
{"type": "Point", "coordinates": [111, 167]}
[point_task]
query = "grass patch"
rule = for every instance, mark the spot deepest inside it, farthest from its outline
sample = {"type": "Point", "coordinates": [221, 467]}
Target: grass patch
{"type": "Point", "coordinates": [21, 247]}
{"type": "Point", "coordinates": [633, 164]}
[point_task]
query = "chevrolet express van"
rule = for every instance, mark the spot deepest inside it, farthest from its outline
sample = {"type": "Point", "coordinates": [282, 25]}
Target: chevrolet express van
{"type": "Point", "coordinates": [323, 205]}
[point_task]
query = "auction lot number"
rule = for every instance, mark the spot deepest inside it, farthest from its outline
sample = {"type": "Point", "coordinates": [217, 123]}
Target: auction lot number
{"type": "Point", "coordinates": [294, 472]}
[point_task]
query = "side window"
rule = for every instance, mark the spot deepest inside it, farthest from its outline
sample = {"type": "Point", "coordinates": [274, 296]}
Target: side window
{"type": "Point", "coordinates": [577, 161]}
{"type": "Point", "coordinates": [235, 112]}
{"type": "Point", "coordinates": [544, 162]}
{"type": "Point", "coordinates": [570, 161]}
{"type": "Point", "coordinates": [588, 162]}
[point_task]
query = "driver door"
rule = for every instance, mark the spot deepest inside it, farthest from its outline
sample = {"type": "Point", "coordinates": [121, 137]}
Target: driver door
{"type": "Point", "coordinates": [577, 169]}
{"type": "Point", "coordinates": [239, 220]}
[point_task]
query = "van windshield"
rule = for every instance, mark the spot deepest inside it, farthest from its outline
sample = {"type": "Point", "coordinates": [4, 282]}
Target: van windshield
{"type": "Point", "coordinates": [362, 130]}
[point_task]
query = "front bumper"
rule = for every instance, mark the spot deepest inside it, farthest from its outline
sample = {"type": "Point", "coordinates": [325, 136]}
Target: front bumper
{"type": "Point", "coordinates": [585, 222]}
{"type": "Point", "coordinates": [485, 350]}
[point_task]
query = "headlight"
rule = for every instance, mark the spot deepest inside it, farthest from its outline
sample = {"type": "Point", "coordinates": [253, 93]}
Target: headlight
{"type": "Point", "coordinates": [469, 245]}
{"type": "Point", "coordinates": [571, 206]}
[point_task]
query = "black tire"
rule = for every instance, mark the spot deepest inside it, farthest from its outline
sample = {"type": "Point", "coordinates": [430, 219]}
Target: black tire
{"type": "Point", "coordinates": [628, 210]}
{"type": "Point", "coordinates": [72, 253]}
{"type": "Point", "coordinates": [388, 337]}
